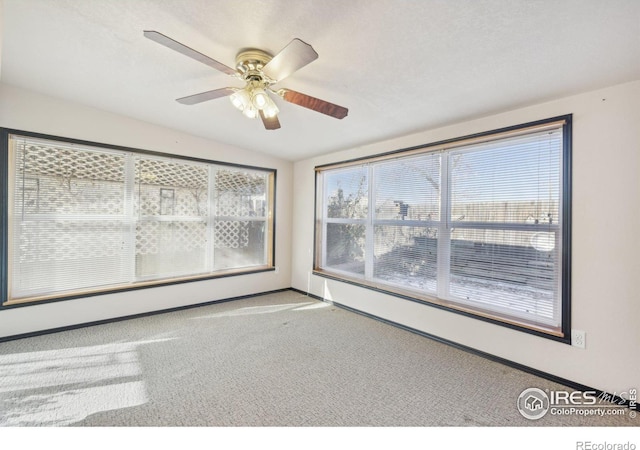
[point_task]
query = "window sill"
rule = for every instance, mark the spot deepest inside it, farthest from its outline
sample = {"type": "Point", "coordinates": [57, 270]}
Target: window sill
{"type": "Point", "coordinates": [71, 295]}
{"type": "Point", "coordinates": [513, 323]}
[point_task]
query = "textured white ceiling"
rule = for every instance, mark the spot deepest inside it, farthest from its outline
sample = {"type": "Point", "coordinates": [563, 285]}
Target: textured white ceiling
{"type": "Point", "coordinates": [400, 66]}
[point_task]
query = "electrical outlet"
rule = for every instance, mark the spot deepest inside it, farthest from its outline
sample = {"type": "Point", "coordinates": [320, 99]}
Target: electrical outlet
{"type": "Point", "coordinates": [578, 338]}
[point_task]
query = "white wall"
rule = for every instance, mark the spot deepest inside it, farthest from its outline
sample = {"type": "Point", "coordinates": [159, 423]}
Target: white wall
{"type": "Point", "coordinates": [605, 256]}
{"type": "Point", "coordinates": [29, 111]}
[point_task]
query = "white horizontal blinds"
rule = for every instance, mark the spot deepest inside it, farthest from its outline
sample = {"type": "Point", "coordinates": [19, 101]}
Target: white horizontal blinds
{"type": "Point", "coordinates": [68, 217]}
{"type": "Point", "coordinates": [86, 219]}
{"type": "Point", "coordinates": [406, 257]}
{"type": "Point", "coordinates": [475, 224]}
{"type": "Point", "coordinates": [346, 193]}
{"type": "Point", "coordinates": [505, 219]}
{"type": "Point", "coordinates": [407, 212]}
{"type": "Point", "coordinates": [514, 180]}
{"type": "Point", "coordinates": [346, 200]}
{"type": "Point", "coordinates": [240, 217]}
{"type": "Point", "coordinates": [408, 189]}
{"type": "Point", "coordinates": [172, 211]}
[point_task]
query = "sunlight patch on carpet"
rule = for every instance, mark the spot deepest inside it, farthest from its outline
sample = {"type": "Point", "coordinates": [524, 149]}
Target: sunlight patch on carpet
{"type": "Point", "coordinates": [252, 310]}
{"type": "Point", "coordinates": [63, 386]}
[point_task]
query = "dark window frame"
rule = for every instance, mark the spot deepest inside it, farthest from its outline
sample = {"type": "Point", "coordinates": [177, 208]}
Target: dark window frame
{"type": "Point", "coordinates": [5, 134]}
{"type": "Point", "coordinates": [565, 257]}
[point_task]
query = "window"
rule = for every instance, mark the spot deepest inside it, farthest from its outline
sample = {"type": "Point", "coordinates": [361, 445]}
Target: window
{"type": "Point", "coordinates": [477, 225]}
{"type": "Point", "coordinates": [88, 218]}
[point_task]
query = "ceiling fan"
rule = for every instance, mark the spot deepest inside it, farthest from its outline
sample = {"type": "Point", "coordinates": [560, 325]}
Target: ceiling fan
{"type": "Point", "coordinates": [260, 71]}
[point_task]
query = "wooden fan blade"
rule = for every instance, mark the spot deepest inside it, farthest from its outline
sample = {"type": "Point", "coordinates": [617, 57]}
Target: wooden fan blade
{"type": "Point", "coordinates": [187, 51]}
{"type": "Point", "coordinates": [294, 56]}
{"type": "Point", "coordinates": [270, 123]}
{"type": "Point", "coordinates": [321, 106]}
{"type": "Point", "coordinates": [204, 96]}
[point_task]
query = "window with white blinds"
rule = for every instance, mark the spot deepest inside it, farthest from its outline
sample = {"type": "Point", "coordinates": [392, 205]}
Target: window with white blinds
{"type": "Point", "coordinates": [86, 219]}
{"type": "Point", "coordinates": [477, 225]}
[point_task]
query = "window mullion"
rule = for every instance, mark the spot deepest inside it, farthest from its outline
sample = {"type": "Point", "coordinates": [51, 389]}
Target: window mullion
{"type": "Point", "coordinates": [444, 230]}
{"type": "Point", "coordinates": [559, 235]}
{"type": "Point", "coordinates": [130, 219]}
{"type": "Point", "coordinates": [323, 220]}
{"type": "Point", "coordinates": [209, 255]}
{"type": "Point", "coordinates": [369, 229]}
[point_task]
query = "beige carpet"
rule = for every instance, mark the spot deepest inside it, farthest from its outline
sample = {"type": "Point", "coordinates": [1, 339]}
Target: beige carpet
{"type": "Point", "coordinates": [273, 360]}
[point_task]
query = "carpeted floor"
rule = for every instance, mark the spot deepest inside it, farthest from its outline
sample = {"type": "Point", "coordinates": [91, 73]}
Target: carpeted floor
{"type": "Point", "coordinates": [273, 360]}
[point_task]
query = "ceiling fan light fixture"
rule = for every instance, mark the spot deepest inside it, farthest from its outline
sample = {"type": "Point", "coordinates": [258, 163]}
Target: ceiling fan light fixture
{"type": "Point", "coordinates": [270, 109]}
{"type": "Point", "coordinates": [259, 98]}
{"type": "Point", "coordinates": [250, 112]}
{"type": "Point", "coordinates": [240, 99]}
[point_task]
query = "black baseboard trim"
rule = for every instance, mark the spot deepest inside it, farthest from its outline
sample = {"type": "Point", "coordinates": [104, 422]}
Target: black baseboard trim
{"type": "Point", "coordinates": [539, 373]}
{"type": "Point", "coordinates": [135, 316]}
